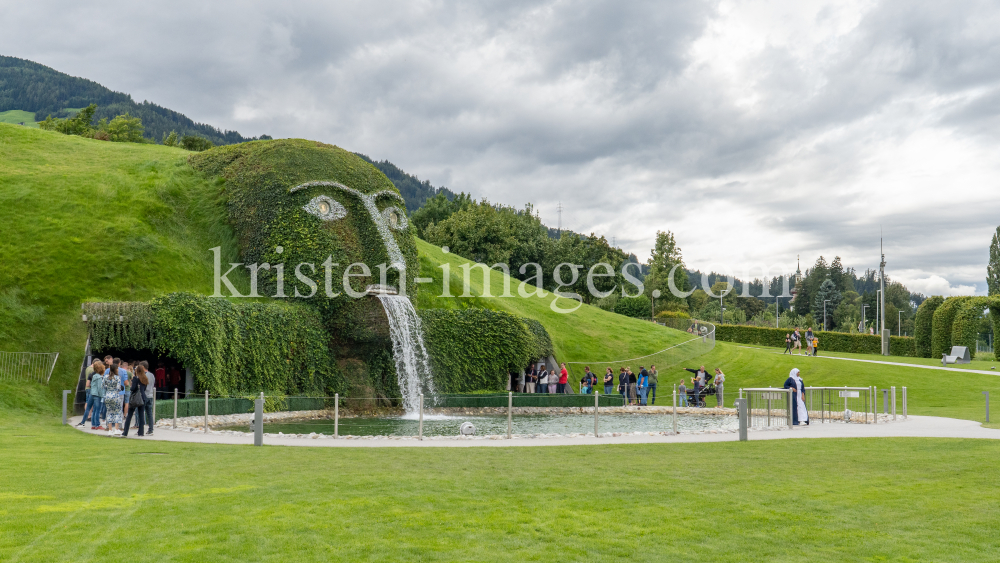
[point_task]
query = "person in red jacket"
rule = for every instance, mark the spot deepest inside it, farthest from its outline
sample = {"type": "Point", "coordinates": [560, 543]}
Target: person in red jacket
{"type": "Point", "coordinates": [161, 380]}
{"type": "Point", "coordinates": [563, 378]}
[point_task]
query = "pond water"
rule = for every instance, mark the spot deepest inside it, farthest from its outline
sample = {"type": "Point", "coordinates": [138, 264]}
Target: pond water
{"type": "Point", "coordinates": [442, 425]}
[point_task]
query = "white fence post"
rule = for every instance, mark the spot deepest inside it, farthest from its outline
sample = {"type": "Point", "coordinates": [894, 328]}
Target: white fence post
{"type": "Point", "coordinates": [510, 408]}
{"type": "Point", "coordinates": [175, 407]}
{"type": "Point", "coordinates": [65, 393]}
{"type": "Point", "coordinates": [596, 406]}
{"type": "Point", "coordinates": [336, 415]}
{"type": "Point", "coordinates": [904, 403]}
{"type": "Point", "coordinates": [894, 402]}
{"type": "Point", "coordinates": [675, 409]}
{"type": "Point", "coordinates": [420, 426]}
{"type": "Point", "coordinates": [258, 421]}
{"type": "Point", "coordinates": [206, 411]}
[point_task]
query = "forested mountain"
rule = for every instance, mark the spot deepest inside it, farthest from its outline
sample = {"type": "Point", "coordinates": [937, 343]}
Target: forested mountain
{"type": "Point", "coordinates": [415, 193]}
{"type": "Point", "coordinates": [29, 86]}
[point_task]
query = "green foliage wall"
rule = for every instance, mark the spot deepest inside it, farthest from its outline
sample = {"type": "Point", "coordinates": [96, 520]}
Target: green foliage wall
{"type": "Point", "coordinates": [828, 341]}
{"type": "Point", "coordinates": [475, 349]}
{"type": "Point", "coordinates": [231, 348]}
{"type": "Point", "coordinates": [941, 331]}
{"type": "Point", "coordinates": [924, 325]}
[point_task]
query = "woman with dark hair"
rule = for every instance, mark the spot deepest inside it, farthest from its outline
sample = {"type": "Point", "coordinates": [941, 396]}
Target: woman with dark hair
{"type": "Point", "coordinates": [114, 394]}
{"type": "Point", "coordinates": [138, 398]}
{"type": "Point", "coordinates": [609, 381]}
{"type": "Point", "coordinates": [97, 394]}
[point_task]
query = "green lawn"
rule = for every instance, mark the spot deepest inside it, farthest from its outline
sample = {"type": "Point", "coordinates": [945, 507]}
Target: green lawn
{"type": "Point", "coordinates": [16, 116]}
{"type": "Point", "coordinates": [72, 497]}
{"type": "Point", "coordinates": [956, 394]}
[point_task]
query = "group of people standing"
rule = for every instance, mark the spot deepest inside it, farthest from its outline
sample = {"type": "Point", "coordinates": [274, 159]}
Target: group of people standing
{"type": "Point", "coordinates": [793, 342]}
{"type": "Point", "coordinates": [699, 383]}
{"type": "Point", "coordinates": [540, 380]}
{"type": "Point", "coordinates": [117, 392]}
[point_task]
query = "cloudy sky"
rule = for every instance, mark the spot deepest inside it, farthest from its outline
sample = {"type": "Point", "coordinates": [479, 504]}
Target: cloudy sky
{"type": "Point", "coordinates": [755, 131]}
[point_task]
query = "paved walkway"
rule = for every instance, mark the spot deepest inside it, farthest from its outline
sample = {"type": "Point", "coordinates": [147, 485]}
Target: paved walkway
{"type": "Point", "coordinates": [900, 364]}
{"type": "Point", "coordinates": [914, 427]}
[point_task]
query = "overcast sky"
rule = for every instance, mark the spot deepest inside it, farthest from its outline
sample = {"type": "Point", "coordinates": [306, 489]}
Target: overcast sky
{"type": "Point", "coordinates": [755, 131]}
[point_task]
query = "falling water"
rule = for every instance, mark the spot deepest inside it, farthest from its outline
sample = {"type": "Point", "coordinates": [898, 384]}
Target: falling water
{"type": "Point", "coordinates": [412, 367]}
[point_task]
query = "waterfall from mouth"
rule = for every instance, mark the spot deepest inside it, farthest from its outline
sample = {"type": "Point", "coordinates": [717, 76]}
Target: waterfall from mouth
{"type": "Point", "coordinates": [413, 370]}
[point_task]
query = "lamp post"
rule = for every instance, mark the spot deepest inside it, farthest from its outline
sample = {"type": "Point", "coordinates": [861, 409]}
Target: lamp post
{"type": "Point", "coordinates": [722, 320]}
{"type": "Point", "coordinates": [825, 301]}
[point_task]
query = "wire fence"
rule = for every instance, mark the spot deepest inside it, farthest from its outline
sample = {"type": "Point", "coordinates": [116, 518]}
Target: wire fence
{"type": "Point", "coordinates": [27, 366]}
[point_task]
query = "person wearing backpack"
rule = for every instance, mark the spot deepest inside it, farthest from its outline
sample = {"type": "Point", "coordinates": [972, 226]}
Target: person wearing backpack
{"type": "Point", "coordinates": [137, 400]}
{"type": "Point", "coordinates": [97, 394]}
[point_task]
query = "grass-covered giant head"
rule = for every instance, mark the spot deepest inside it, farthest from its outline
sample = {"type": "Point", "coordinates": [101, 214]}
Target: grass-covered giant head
{"type": "Point", "coordinates": [298, 202]}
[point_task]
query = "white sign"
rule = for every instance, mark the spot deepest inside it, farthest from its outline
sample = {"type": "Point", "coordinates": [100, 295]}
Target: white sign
{"type": "Point", "coordinates": [850, 394]}
{"type": "Point", "coordinates": [772, 396]}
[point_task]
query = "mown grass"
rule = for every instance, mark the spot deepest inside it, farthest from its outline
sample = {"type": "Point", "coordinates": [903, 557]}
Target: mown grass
{"type": "Point", "coordinates": [86, 219]}
{"type": "Point", "coordinates": [73, 497]}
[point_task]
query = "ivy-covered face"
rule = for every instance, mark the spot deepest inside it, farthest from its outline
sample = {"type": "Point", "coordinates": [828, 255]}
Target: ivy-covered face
{"type": "Point", "coordinates": [321, 211]}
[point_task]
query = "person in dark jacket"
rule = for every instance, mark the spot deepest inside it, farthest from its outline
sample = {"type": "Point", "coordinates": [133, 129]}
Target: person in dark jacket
{"type": "Point", "coordinates": [138, 389]}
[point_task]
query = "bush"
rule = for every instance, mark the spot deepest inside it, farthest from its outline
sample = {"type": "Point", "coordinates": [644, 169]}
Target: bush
{"type": "Point", "coordinates": [941, 330]}
{"type": "Point", "coordinates": [195, 143]}
{"type": "Point", "coordinates": [477, 349]}
{"type": "Point", "coordinates": [924, 325]}
{"type": "Point", "coordinates": [636, 307]}
{"type": "Point", "coordinates": [828, 341]}
{"type": "Point", "coordinates": [672, 315]}
{"type": "Point", "coordinates": [965, 326]}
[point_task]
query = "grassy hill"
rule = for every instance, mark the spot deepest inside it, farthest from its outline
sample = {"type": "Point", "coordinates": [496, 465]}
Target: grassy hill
{"type": "Point", "coordinates": [87, 219]}
{"type": "Point", "coordinates": [16, 116]}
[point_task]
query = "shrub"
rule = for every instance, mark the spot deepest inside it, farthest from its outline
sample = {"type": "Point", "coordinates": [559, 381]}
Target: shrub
{"type": "Point", "coordinates": [965, 326]}
{"type": "Point", "coordinates": [195, 143]}
{"type": "Point", "coordinates": [637, 307]}
{"type": "Point", "coordinates": [924, 324]}
{"type": "Point", "coordinates": [828, 341]}
{"type": "Point", "coordinates": [672, 315]}
{"type": "Point", "coordinates": [476, 349]}
{"type": "Point", "coordinates": [941, 331]}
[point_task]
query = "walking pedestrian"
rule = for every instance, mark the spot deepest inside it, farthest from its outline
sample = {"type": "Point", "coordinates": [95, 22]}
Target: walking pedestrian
{"type": "Point", "coordinates": [796, 341]}
{"type": "Point", "coordinates": [138, 402]}
{"type": "Point", "coordinates": [623, 385]}
{"type": "Point", "coordinates": [809, 341]}
{"type": "Point", "coordinates": [632, 392]}
{"type": "Point", "coordinates": [815, 345]}
{"type": "Point", "coordinates": [788, 344]}
{"type": "Point", "coordinates": [652, 384]}
{"type": "Point", "coordinates": [682, 396]}
{"type": "Point", "coordinates": [609, 381]}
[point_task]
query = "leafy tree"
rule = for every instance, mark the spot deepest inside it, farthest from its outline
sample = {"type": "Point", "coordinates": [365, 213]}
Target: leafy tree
{"type": "Point", "coordinates": [698, 300]}
{"type": "Point", "coordinates": [664, 256]}
{"type": "Point", "coordinates": [170, 140]}
{"type": "Point", "coordinates": [125, 129]}
{"type": "Point", "coordinates": [993, 268]}
{"type": "Point", "coordinates": [79, 124]}
{"type": "Point", "coordinates": [437, 209]}
{"type": "Point", "coordinates": [826, 291]}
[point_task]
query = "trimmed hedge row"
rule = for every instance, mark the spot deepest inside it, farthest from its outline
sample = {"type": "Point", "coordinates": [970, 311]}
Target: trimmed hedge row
{"type": "Point", "coordinates": [924, 325]}
{"type": "Point", "coordinates": [965, 326]}
{"type": "Point", "coordinates": [196, 407]}
{"type": "Point", "coordinates": [828, 341]}
{"type": "Point", "coordinates": [944, 318]}
{"type": "Point", "coordinates": [525, 400]}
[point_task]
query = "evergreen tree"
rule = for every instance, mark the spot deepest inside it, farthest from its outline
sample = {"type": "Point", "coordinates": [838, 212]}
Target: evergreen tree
{"type": "Point", "coordinates": [993, 269]}
{"type": "Point", "coordinates": [826, 291]}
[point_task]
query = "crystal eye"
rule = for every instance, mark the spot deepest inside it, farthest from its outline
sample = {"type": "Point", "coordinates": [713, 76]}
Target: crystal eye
{"type": "Point", "coordinates": [325, 208]}
{"type": "Point", "coordinates": [395, 218]}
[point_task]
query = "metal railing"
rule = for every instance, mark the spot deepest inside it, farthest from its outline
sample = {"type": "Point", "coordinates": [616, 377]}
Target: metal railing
{"type": "Point", "coordinates": [841, 404]}
{"type": "Point", "coordinates": [27, 366]}
{"type": "Point", "coordinates": [768, 407]}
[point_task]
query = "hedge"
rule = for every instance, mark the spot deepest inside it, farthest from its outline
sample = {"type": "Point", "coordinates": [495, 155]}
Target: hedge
{"type": "Point", "coordinates": [476, 349]}
{"type": "Point", "coordinates": [965, 326]}
{"type": "Point", "coordinates": [944, 318]}
{"type": "Point", "coordinates": [233, 405]}
{"type": "Point", "coordinates": [924, 325]}
{"type": "Point", "coordinates": [828, 341]}
{"type": "Point", "coordinates": [525, 400]}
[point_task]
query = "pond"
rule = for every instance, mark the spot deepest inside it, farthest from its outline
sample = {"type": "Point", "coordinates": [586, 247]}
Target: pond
{"type": "Point", "coordinates": [444, 425]}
